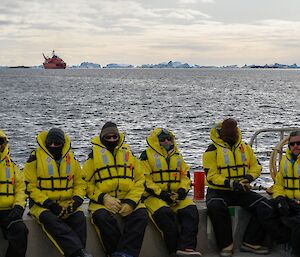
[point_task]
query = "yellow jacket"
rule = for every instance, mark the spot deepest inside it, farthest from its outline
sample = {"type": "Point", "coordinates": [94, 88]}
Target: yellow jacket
{"type": "Point", "coordinates": [118, 174]}
{"type": "Point", "coordinates": [164, 171]}
{"type": "Point", "coordinates": [222, 162]}
{"type": "Point", "coordinates": [12, 186]}
{"type": "Point", "coordinates": [47, 179]}
{"type": "Point", "coordinates": [287, 179]}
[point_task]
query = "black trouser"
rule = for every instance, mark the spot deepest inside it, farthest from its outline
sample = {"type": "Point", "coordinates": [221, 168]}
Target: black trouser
{"type": "Point", "coordinates": [69, 233]}
{"type": "Point", "coordinates": [281, 229]}
{"type": "Point", "coordinates": [128, 241]}
{"type": "Point", "coordinates": [16, 233]}
{"type": "Point", "coordinates": [177, 237]}
{"type": "Point", "coordinates": [217, 202]}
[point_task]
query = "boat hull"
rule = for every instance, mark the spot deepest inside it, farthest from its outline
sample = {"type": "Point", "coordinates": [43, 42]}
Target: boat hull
{"type": "Point", "coordinates": [54, 65]}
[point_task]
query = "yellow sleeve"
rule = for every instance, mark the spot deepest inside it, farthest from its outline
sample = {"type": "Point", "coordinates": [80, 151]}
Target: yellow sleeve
{"type": "Point", "coordinates": [278, 188]}
{"type": "Point", "coordinates": [255, 167]}
{"type": "Point", "coordinates": [79, 187]}
{"type": "Point", "coordinates": [185, 181]}
{"type": "Point", "coordinates": [213, 176]}
{"type": "Point", "coordinates": [92, 191]}
{"type": "Point", "coordinates": [20, 196]}
{"type": "Point", "coordinates": [30, 172]}
{"type": "Point", "coordinates": [138, 189]}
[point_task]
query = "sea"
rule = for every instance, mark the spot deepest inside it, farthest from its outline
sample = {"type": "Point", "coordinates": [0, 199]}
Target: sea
{"type": "Point", "coordinates": [187, 101]}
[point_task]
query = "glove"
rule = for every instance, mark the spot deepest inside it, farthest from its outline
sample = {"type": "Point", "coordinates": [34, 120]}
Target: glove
{"type": "Point", "coordinates": [16, 213]}
{"type": "Point", "coordinates": [249, 178]}
{"type": "Point", "coordinates": [167, 197]}
{"type": "Point", "coordinates": [76, 202]}
{"type": "Point", "coordinates": [56, 209]}
{"type": "Point", "coordinates": [282, 206]}
{"type": "Point", "coordinates": [181, 194]}
{"type": "Point", "coordinates": [111, 203]}
{"type": "Point", "coordinates": [126, 209]}
{"type": "Point", "coordinates": [241, 186]}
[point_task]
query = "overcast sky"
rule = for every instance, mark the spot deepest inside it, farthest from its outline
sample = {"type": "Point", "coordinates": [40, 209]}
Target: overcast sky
{"type": "Point", "coordinates": [204, 32]}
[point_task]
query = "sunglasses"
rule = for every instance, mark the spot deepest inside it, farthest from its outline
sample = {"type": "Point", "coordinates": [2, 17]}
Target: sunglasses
{"type": "Point", "coordinates": [2, 141]}
{"type": "Point", "coordinates": [294, 143]}
{"type": "Point", "coordinates": [164, 139]}
{"type": "Point", "coordinates": [114, 137]}
{"type": "Point", "coordinates": [54, 144]}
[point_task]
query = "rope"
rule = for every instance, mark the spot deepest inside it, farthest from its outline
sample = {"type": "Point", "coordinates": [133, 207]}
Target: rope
{"type": "Point", "coordinates": [274, 156]}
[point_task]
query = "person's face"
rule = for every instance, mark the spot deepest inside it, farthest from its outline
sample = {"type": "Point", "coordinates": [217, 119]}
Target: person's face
{"type": "Point", "coordinates": [111, 137]}
{"type": "Point", "coordinates": [166, 142]}
{"type": "Point", "coordinates": [294, 145]}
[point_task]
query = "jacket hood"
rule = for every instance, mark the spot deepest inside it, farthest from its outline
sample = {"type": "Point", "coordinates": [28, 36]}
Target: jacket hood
{"type": "Point", "coordinates": [41, 142]}
{"type": "Point", "coordinates": [215, 136]}
{"type": "Point", "coordinates": [97, 141]}
{"type": "Point", "coordinates": [289, 155]}
{"type": "Point", "coordinates": [153, 142]}
{"type": "Point", "coordinates": [6, 149]}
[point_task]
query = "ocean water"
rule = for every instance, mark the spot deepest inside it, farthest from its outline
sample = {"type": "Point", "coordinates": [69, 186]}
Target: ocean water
{"type": "Point", "coordinates": [188, 101]}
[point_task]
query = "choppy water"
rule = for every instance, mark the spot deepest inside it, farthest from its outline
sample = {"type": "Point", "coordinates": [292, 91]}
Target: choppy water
{"type": "Point", "coordinates": [189, 101]}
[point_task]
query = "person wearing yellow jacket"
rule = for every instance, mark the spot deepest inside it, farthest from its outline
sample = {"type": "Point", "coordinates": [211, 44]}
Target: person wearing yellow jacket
{"type": "Point", "coordinates": [115, 184]}
{"type": "Point", "coordinates": [56, 189]}
{"type": "Point", "coordinates": [230, 166]}
{"type": "Point", "coordinates": [281, 215]}
{"type": "Point", "coordinates": [167, 185]}
{"type": "Point", "coordinates": [12, 202]}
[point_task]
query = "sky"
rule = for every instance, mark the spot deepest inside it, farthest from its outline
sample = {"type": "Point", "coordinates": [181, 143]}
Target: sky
{"type": "Point", "coordinates": [203, 32]}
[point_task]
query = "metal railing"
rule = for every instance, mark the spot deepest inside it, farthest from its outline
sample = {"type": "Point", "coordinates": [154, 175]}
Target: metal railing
{"type": "Point", "coordinates": [280, 132]}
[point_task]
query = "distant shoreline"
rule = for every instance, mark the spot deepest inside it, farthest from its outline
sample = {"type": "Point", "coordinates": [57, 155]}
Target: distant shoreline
{"type": "Point", "coordinates": [153, 68]}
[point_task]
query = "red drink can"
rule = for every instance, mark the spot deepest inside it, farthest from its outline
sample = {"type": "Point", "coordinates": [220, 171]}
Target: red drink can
{"type": "Point", "coordinates": [199, 184]}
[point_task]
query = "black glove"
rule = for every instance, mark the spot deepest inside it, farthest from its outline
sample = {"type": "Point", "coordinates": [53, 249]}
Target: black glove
{"type": "Point", "coordinates": [249, 178]}
{"type": "Point", "coordinates": [282, 206]}
{"type": "Point", "coordinates": [241, 186]}
{"type": "Point", "coordinates": [77, 201]}
{"type": "Point", "coordinates": [16, 213]}
{"type": "Point", "coordinates": [54, 207]}
{"type": "Point", "coordinates": [181, 194]}
{"type": "Point", "coordinates": [164, 195]}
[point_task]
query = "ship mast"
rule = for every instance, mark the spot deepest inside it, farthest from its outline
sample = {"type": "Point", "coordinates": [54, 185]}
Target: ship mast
{"type": "Point", "coordinates": [46, 58]}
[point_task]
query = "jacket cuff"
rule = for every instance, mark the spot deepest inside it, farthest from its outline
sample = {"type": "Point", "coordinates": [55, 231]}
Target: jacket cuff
{"type": "Point", "coordinates": [130, 202]}
{"type": "Point", "coordinates": [101, 198]}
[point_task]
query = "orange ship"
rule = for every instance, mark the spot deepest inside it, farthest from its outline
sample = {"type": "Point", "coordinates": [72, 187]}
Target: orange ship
{"type": "Point", "coordinates": [54, 63]}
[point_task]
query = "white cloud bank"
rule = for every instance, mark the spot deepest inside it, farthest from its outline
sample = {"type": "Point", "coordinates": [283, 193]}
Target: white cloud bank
{"type": "Point", "coordinates": [128, 31]}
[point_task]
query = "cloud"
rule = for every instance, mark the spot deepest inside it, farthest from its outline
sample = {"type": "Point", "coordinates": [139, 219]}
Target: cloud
{"type": "Point", "coordinates": [131, 31]}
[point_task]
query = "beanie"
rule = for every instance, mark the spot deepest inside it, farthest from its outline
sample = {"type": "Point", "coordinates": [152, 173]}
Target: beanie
{"type": "Point", "coordinates": [55, 135]}
{"type": "Point", "coordinates": [109, 128]}
{"type": "Point", "coordinates": [164, 133]}
{"type": "Point", "coordinates": [229, 124]}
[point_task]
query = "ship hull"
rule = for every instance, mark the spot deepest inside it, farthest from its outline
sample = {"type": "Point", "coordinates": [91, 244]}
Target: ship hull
{"type": "Point", "coordinates": [54, 65]}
